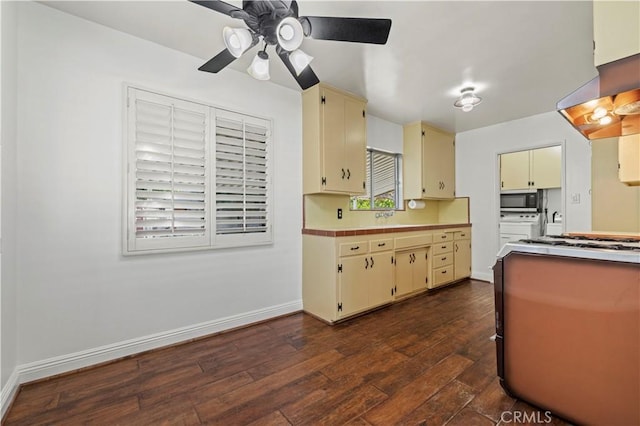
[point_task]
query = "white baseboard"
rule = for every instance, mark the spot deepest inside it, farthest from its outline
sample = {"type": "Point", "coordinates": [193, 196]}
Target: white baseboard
{"type": "Point", "coordinates": [8, 392]}
{"type": "Point", "coordinates": [483, 276]}
{"type": "Point", "coordinates": [62, 364]}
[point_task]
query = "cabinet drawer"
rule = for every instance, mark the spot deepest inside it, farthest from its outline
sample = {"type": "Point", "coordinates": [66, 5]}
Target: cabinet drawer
{"type": "Point", "coordinates": [462, 235]}
{"type": "Point", "coordinates": [381, 245]}
{"type": "Point", "coordinates": [442, 275]}
{"type": "Point", "coordinates": [350, 249]}
{"type": "Point", "coordinates": [413, 241]}
{"type": "Point", "coordinates": [439, 248]}
{"type": "Point", "coordinates": [440, 260]}
{"type": "Point", "coordinates": [439, 237]}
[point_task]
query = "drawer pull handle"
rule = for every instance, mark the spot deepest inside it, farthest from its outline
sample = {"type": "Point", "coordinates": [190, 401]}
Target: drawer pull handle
{"type": "Point", "coordinates": [343, 173]}
{"type": "Point", "coordinates": [444, 247]}
{"type": "Point", "coordinates": [355, 248]}
{"type": "Point", "coordinates": [382, 244]}
{"type": "Point", "coordinates": [443, 236]}
{"type": "Point", "coordinates": [372, 262]}
{"type": "Point", "coordinates": [366, 266]}
{"type": "Point", "coordinates": [444, 258]}
{"type": "Point", "coordinates": [443, 272]}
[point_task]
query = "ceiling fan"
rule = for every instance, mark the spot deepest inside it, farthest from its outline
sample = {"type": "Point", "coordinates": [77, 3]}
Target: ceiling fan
{"type": "Point", "coordinates": [276, 23]}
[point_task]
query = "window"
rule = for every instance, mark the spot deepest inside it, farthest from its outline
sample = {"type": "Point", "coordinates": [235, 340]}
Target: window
{"type": "Point", "coordinates": [382, 190]}
{"type": "Point", "coordinates": [197, 176]}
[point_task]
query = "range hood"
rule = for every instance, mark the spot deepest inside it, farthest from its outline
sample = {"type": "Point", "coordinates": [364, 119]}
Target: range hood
{"type": "Point", "coordinates": [609, 105]}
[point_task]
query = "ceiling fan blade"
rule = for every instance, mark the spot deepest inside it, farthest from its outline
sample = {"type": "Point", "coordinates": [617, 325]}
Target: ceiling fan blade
{"type": "Point", "coordinates": [219, 6]}
{"type": "Point", "coordinates": [307, 77]}
{"type": "Point", "coordinates": [357, 30]}
{"type": "Point", "coordinates": [218, 62]}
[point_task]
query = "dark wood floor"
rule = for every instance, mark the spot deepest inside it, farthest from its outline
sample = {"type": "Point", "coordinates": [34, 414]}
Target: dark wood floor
{"type": "Point", "coordinates": [426, 361]}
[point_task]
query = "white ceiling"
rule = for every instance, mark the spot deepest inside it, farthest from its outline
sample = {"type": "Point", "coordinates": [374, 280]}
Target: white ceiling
{"type": "Point", "coordinates": [521, 56]}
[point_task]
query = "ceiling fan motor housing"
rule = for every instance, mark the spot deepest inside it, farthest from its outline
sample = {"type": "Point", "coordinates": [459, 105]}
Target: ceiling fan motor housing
{"type": "Point", "coordinates": [264, 17]}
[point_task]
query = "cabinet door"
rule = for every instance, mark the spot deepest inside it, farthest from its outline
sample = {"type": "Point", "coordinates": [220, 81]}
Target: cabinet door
{"type": "Point", "coordinates": [629, 159]}
{"type": "Point", "coordinates": [443, 157]}
{"type": "Point", "coordinates": [380, 278]}
{"type": "Point", "coordinates": [404, 272]}
{"type": "Point", "coordinates": [333, 128]}
{"type": "Point", "coordinates": [546, 167]}
{"type": "Point", "coordinates": [461, 259]}
{"type": "Point", "coordinates": [514, 170]}
{"type": "Point", "coordinates": [420, 271]}
{"type": "Point", "coordinates": [352, 282]}
{"type": "Point", "coordinates": [438, 162]}
{"type": "Point", "coordinates": [355, 145]}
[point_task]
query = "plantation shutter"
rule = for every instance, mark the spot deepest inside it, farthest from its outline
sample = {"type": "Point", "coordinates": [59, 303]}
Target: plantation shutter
{"type": "Point", "coordinates": [167, 172]}
{"type": "Point", "coordinates": [384, 172]}
{"type": "Point", "coordinates": [242, 181]}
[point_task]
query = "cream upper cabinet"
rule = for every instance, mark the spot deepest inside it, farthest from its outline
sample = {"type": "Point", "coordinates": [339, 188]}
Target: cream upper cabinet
{"type": "Point", "coordinates": [514, 170]}
{"type": "Point", "coordinates": [534, 169]}
{"type": "Point", "coordinates": [334, 141]}
{"type": "Point", "coordinates": [428, 162]}
{"type": "Point", "coordinates": [616, 30]}
{"type": "Point", "coordinates": [629, 160]}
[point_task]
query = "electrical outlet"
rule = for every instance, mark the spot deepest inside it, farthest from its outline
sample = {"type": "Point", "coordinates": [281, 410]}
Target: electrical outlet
{"type": "Point", "coordinates": [339, 213]}
{"type": "Point", "coordinates": [575, 198]}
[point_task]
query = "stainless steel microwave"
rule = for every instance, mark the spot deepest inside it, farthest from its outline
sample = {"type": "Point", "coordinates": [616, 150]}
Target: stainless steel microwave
{"type": "Point", "coordinates": [521, 201]}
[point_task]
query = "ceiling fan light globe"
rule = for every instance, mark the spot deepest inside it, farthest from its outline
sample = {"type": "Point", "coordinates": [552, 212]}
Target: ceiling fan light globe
{"type": "Point", "coordinates": [299, 60]}
{"type": "Point", "coordinates": [467, 107]}
{"type": "Point", "coordinates": [290, 33]}
{"type": "Point", "coordinates": [259, 68]}
{"type": "Point", "coordinates": [237, 40]}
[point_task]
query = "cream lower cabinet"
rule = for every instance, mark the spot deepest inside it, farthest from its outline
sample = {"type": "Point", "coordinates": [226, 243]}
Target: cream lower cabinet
{"type": "Point", "coordinates": [442, 259]}
{"type": "Point", "coordinates": [461, 255]}
{"type": "Point", "coordinates": [412, 271]}
{"type": "Point", "coordinates": [451, 259]}
{"type": "Point", "coordinates": [364, 282]}
{"type": "Point", "coordinates": [412, 263]}
{"type": "Point", "coordinates": [345, 276]}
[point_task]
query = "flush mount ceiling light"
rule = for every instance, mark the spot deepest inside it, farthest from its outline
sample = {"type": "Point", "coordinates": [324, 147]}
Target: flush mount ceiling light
{"type": "Point", "coordinates": [467, 99]}
{"type": "Point", "coordinates": [277, 23]}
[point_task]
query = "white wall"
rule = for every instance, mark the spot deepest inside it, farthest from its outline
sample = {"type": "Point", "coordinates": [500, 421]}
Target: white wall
{"type": "Point", "coordinates": [383, 134]}
{"type": "Point", "coordinates": [76, 290]}
{"type": "Point", "coordinates": [8, 191]}
{"type": "Point", "coordinates": [477, 176]}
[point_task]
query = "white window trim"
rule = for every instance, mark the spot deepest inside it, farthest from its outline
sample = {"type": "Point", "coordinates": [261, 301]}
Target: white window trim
{"type": "Point", "coordinates": [135, 246]}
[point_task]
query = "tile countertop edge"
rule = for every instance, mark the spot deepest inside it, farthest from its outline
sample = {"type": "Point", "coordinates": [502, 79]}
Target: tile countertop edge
{"type": "Point", "coordinates": [382, 230]}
